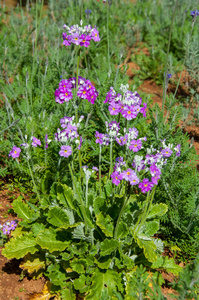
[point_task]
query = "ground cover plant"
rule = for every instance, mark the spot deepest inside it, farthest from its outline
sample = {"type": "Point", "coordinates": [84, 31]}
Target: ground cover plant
{"type": "Point", "coordinates": [106, 171]}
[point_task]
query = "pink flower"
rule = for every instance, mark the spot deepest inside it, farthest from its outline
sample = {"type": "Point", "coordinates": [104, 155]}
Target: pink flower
{"type": "Point", "coordinates": [15, 152]}
{"type": "Point", "coordinates": [65, 151]}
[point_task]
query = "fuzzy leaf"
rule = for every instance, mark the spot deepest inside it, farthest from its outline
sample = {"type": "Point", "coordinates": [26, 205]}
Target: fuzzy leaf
{"type": "Point", "coordinates": [23, 211]}
{"type": "Point", "coordinates": [167, 264]}
{"type": "Point", "coordinates": [149, 248]}
{"type": "Point", "coordinates": [157, 210]}
{"type": "Point", "coordinates": [122, 230]}
{"type": "Point", "coordinates": [105, 223]}
{"type": "Point", "coordinates": [151, 228]}
{"type": "Point", "coordinates": [102, 281]}
{"type": "Point", "coordinates": [18, 247]}
{"type": "Point", "coordinates": [104, 262]}
{"type": "Point", "coordinates": [32, 265]}
{"type": "Point", "coordinates": [108, 246]}
{"type": "Point", "coordinates": [65, 196]}
{"type": "Point", "coordinates": [58, 217]}
{"type": "Point", "coordinates": [80, 284]}
{"type": "Point", "coordinates": [68, 293]}
{"type": "Point", "coordinates": [47, 240]}
{"type": "Point", "coordinates": [99, 205]}
{"type": "Point", "coordinates": [78, 265]}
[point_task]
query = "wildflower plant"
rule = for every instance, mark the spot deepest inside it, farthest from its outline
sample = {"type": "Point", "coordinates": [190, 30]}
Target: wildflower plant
{"type": "Point", "coordinates": [88, 232]}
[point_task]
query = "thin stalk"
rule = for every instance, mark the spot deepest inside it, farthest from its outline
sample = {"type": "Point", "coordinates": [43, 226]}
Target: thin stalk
{"type": "Point", "coordinates": [111, 157]}
{"type": "Point", "coordinates": [31, 174]}
{"type": "Point", "coordinates": [167, 57]}
{"type": "Point", "coordinates": [100, 170]}
{"type": "Point", "coordinates": [80, 199]}
{"type": "Point", "coordinates": [107, 28]}
{"type": "Point", "coordinates": [86, 193]}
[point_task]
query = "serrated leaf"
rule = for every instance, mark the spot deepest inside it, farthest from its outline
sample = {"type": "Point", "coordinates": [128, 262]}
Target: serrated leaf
{"type": "Point", "coordinates": [47, 240]}
{"type": "Point", "coordinates": [122, 230]}
{"type": "Point", "coordinates": [37, 227]}
{"type": "Point", "coordinates": [17, 232]}
{"type": "Point", "coordinates": [65, 196]}
{"type": "Point", "coordinates": [99, 205]}
{"type": "Point", "coordinates": [150, 228]}
{"type": "Point", "coordinates": [32, 265]}
{"type": "Point", "coordinates": [68, 293]}
{"type": "Point", "coordinates": [106, 224]}
{"type": "Point", "coordinates": [23, 211]}
{"type": "Point", "coordinates": [108, 246]}
{"type": "Point", "coordinates": [80, 284]}
{"type": "Point", "coordinates": [103, 282]}
{"type": "Point", "coordinates": [78, 265]}
{"type": "Point", "coordinates": [108, 188]}
{"type": "Point", "coordinates": [58, 217]}
{"type": "Point", "coordinates": [167, 264]}
{"type": "Point", "coordinates": [149, 248]}
{"type": "Point", "coordinates": [20, 246]}
{"type": "Point", "coordinates": [104, 262]}
{"type": "Point", "coordinates": [157, 210]}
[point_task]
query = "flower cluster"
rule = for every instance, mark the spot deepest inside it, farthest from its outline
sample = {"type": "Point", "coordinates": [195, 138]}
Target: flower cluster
{"type": "Point", "coordinates": [129, 138]}
{"type": "Point", "coordinates": [15, 152]}
{"type": "Point", "coordinates": [68, 135]}
{"type": "Point", "coordinates": [194, 13]}
{"type": "Point", "coordinates": [150, 165]}
{"type": "Point", "coordinates": [85, 90]}
{"type": "Point", "coordinates": [127, 103]}
{"type": "Point", "coordinates": [8, 226]}
{"type": "Point", "coordinates": [80, 35]}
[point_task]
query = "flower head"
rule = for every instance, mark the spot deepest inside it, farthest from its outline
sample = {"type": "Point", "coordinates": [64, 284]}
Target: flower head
{"type": "Point", "coordinates": [15, 152]}
{"type": "Point", "coordinates": [65, 151]}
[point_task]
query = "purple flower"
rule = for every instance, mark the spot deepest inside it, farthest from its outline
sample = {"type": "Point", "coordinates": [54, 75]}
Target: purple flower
{"type": "Point", "coordinates": [6, 230]}
{"type": "Point", "coordinates": [154, 170]}
{"type": "Point", "coordinates": [128, 174]}
{"type": "Point", "coordinates": [129, 112]}
{"type": "Point", "coordinates": [135, 145]}
{"type": "Point", "coordinates": [145, 185]}
{"type": "Point", "coordinates": [116, 177]}
{"type": "Point", "coordinates": [85, 40]}
{"type": "Point", "coordinates": [36, 142]}
{"type": "Point", "coordinates": [65, 151]}
{"type": "Point", "coordinates": [95, 169]}
{"type": "Point", "coordinates": [99, 137]}
{"type": "Point", "coordinates": [113, 125]}
{"type": "Point", "coordinates": [114, 108]}
{"type": "Point", "coordinates": [154, 179]}
{"type": "Point", "coordinates": [95, 35]}
{"type": "Point", "coordinates": [88, 11]}
{"type": "Point", "coordinates": [194, 13]}
{"type": "Point", "coordinates": [80, 143]}
{"type": "Point", "coordinates": [166, 152]}
{"type": "Point", "coordinates": [134, 179]}
{"type": "Point", "coordinates": [13, 225]}
{"type": "Point", "coordinates": [177, 149]}
{"type": "Point", "coordinates": [75, 39]}
{"type": "Point", "coordinates": [122, 140]}
{"type": "Point", "coordinates": [143, 110]}
{"type": "Point", "coordinates": [67, 39]}
{"type": "Point", "coordinates": [15, 152]}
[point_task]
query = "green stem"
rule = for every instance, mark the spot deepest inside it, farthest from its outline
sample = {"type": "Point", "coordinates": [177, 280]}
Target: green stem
{"type": "Point", "coordinates": [80, 198]}
{"type": "Point", "coordinates": [100, 179]}
{"type": "Point", "coordinates": [167, 57]}
{"type": "Point", "coordinates": [111, 158]}
{"type": "Point", "coordinates": [31, 174]}
{"type": "Point", "coordinates": [86, 193]}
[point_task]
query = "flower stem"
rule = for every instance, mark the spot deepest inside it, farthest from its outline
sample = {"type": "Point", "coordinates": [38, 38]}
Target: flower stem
{"type": "Point", "coordinates": [111, 158]}
{"type": "Point", "coordinates": [100, 179]}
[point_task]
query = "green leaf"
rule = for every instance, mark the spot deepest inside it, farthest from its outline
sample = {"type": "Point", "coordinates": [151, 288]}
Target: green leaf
{"type": "Point", "coordinates": [151, 228]}
{"type": "Point", "coordinates": [23, 211]}
{"type": "Point", "coordinates": [68, 293]}
{"type": "Point", "coordinates": [106, 224]}
{"type": "Point", "coordinates": [32, 264]}
{"type": "Point", "coordinates": [36, 228]}
{"type": "Point", "coordinates": [157, 210]}
{"type": "Point", "coordinates": [79, 265]}
{"type": "Point", "coordinates": [18, 247]}
{"type": "Point", "coordinates": [122, 230]}
{"type": "Point", "coordinates": [167, 264]}
{"type": "Point", "coordinates": [108, 188]}
{"type": "Point", "coordinates": [65, 196]}
{"type": "Point", "coordinates": [80, 284]}
{"type": "Point", "coordinates": [58, 217]}
{"type": "Point", "coordinates": [149, 248]}
{"type": "Point", "coordinates": [102, 281]}
{"type": "Point", "coordinates": [47, 240]}
{"type": "Point", "coordinates": [99, 205]}
{"type": "Point", "coordinates": [104, 262]}
{"type": "Point", "coordinates": [108, 246]}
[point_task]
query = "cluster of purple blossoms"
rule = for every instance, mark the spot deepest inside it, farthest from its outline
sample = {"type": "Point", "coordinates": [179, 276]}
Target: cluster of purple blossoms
{"type": "Point", "coordinates": [15, 152]}
{"type": "Point", "coordinates": [68, 135]}
{"type": "Point", "coordinates": [127, 103]}
{"type": "Point", "coordinates": [150, 165]}
{"type": "Point", "coordinates": [8, 226]}
{"type": "Point", "coordinates": [80, 35]}
{"type": "Point", "coordinates": [86, 90]}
